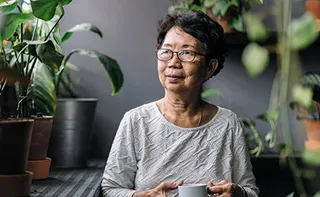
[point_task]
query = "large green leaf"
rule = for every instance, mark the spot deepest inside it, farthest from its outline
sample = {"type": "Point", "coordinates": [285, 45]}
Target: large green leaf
{"type": "Point", "coordinates": [41, 93]}
{"type": "Point", "coordinates": [66, 2]}
{"type": "Point", "coordinates": [302, 95]}
{"type": "Point", "coordinates": [8, 6]}
{"type": "Point", "coordinates": [81, 27]}
{"type": "Point", "coordinates": [303, 31]}
{"type": "Point", "coordinates": [236, 23]}
{"type": "Point", "coordinates": [110, 65]}
{"type": "Point", "coordinates": [255, 28]}
{"type": "Point", "coordinates": [11, 22]}
{"type": "Point", "coordinates": [220, 8]}
{"type": "Point", "coordinates": [44, 9]}
{"type": "Point", "coordinates": [255, 58]}
{"type": "Point", "coordinates": [49, 56]}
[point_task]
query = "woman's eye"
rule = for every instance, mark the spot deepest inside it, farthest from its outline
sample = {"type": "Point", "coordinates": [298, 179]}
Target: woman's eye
{"type": "Point", "coordinates": [165, 51]}
{"type": "Point", "coordinates": [185, 52]}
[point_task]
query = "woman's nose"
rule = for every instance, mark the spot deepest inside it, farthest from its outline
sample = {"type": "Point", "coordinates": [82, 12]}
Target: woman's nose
{"type": "Point", "coordinates": [175, 61]}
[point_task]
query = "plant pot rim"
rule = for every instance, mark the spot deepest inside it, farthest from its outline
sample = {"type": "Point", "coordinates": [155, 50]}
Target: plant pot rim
{"type": "Point", "coordinates": [78, 99]}
{"type": "Point", "coordinates": [312, 121]}
{"type": "Point", "coordinates": [17, 120]}
{"type": "Point", "coordinates": [42, 117]}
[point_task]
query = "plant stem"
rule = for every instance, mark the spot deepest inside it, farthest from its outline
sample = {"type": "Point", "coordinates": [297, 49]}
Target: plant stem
{"type": "Point", "coordinates": [32, 67]}
{"type": "Point", "coordinates": [51, 30]}
{"type": "Point", "coordinates": [32, 38]}
{"type": "Point", "coordinates": [285, 56]}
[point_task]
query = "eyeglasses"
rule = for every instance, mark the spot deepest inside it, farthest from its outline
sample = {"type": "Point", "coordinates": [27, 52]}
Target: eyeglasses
{"type": "Point", "coordinates": [183, 55]}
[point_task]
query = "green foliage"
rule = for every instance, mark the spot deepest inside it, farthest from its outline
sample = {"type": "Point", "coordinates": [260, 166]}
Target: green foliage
{"type": "Point", "coordinates": [32, 47]}
{"type": "Point", "coordinates": [8, 6]}
{"type": "Point", "coordinates": [255, 58]}
{"type": "Point", "coordinates": [11, 23]}
{"type": "Point", "coordinates": [304, 31]}
{"type": "Point", "coordinates": [292, 36]}
{"type": "Point", "coordinates": [220, 8]}
{"type": "Point", "coordinates": [312, 157]}
{"type": "Point", "coordinates": [81, 27]}
{"type": "Point", "coordinates": [210, 93]}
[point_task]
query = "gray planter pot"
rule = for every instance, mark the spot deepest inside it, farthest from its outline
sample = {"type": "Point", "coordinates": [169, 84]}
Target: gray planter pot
{"type": "Point", "coordinates": [71, 132]}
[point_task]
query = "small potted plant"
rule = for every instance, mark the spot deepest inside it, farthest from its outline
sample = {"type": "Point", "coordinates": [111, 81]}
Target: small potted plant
{"type": "Point", "coordinates": [227, 12]}
{"type": "Point", "coordinates": [309, 112]}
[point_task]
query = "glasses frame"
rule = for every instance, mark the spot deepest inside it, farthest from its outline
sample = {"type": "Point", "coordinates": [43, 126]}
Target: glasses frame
{"type": "Point", "coordinates": [177, 52]}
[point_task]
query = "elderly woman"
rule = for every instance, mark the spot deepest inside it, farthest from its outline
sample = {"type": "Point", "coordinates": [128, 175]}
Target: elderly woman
{"type": "Point", "coordinates": [180, 138]}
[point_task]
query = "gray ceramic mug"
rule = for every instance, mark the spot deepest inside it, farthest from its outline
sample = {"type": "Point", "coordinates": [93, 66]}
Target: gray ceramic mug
{"type": "Point", "coordinates": [193, 190]}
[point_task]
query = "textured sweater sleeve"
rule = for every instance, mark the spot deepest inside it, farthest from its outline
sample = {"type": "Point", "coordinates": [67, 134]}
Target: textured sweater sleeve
{"type": "Point", "coordinates": [242, 168]}
{"type": "Point", "coordinates": [119, 174]}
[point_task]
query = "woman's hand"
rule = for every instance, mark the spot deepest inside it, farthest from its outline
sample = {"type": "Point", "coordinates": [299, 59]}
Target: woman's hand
{"type": "Point", "coordinates": [159, 191]}
{"type": "Point", "coordinates": [224, 189]}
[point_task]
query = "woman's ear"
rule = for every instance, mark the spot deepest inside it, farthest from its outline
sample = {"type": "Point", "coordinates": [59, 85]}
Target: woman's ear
{"type": "Point", "coordinates": [212, 66]}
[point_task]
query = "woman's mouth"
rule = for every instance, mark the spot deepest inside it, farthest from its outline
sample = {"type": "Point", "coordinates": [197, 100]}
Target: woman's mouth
{"type": "Point", "coordinates": [173, 78]}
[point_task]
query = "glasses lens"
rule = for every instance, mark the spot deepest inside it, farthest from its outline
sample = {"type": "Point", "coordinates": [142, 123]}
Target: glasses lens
{"type": "Point", "coordinates": [186, 55]}
{"type": "Point", "coordinates": [164, 54]}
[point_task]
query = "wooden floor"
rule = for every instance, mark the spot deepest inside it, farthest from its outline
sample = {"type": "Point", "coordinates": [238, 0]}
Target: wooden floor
{"type": "Point", "coordinates": [69, 183]}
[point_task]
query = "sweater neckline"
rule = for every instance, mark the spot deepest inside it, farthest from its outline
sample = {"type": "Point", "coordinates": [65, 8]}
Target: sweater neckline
{"type": "Point", "coordinates": [189, 129]}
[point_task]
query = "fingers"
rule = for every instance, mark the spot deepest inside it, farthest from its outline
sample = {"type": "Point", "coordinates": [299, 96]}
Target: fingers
{"type": "Point", "coordinates": [223, 182]}
{"type": "Point", "coordinates": [165, 186]}
{"type": "Point", "coordinates": [222, 187]}
{"type": "Point", "coordinates": [216, 190]}
{"type": "Point", "coordinates": [210, 184]}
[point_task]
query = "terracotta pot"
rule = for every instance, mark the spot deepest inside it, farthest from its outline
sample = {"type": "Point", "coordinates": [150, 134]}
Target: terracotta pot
{"type": "Point", "coordinates": [40, 168]}
{"type": "Point", "coordinates": [15, 185]}
{"type": "Point", "coordinates": [313, 129]}
{"type": "Point", "coordinates": [40, 138]}
{"type": "Point", "coordinates": [313, 6]}
{"type": "Point", "coordinates": [15, 137]}
{"type": "Point", "coordinates": [313, 133]}
{"type": "Point", "coordinates": [312, 145]}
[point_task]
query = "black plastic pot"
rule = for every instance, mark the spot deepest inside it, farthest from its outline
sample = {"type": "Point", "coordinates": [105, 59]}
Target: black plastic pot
{"type": "Point", "coordinates": [15, 137]}
{"type": "Point", "coordinates": [71, 132]}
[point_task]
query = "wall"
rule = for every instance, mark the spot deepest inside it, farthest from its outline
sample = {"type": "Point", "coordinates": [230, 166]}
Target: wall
{"type": "Point", "coordinates": [129, 28]}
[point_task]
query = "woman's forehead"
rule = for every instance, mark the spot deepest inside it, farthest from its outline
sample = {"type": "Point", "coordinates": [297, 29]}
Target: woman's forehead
{"type": "Point", "coordinates": [177, 37]}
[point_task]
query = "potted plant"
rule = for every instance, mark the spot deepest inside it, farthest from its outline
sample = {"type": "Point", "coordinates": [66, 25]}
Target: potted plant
{"type": "Point", "coordinates": [73, 116]}
{"type": "Point", "coordinates": [227, 12]}
{"type": "Point", "coordinates": [293, 35]}
{"type": "Point", "coordinates": [309, 112]}
{"type": "Point", "coordinates": [32, 50]}
{"type": "Point", "coordinates": [313, 6]}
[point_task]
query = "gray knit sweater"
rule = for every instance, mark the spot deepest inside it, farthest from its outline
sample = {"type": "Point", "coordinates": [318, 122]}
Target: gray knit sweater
{"type": "Point", "coordinates": [148, 150]}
